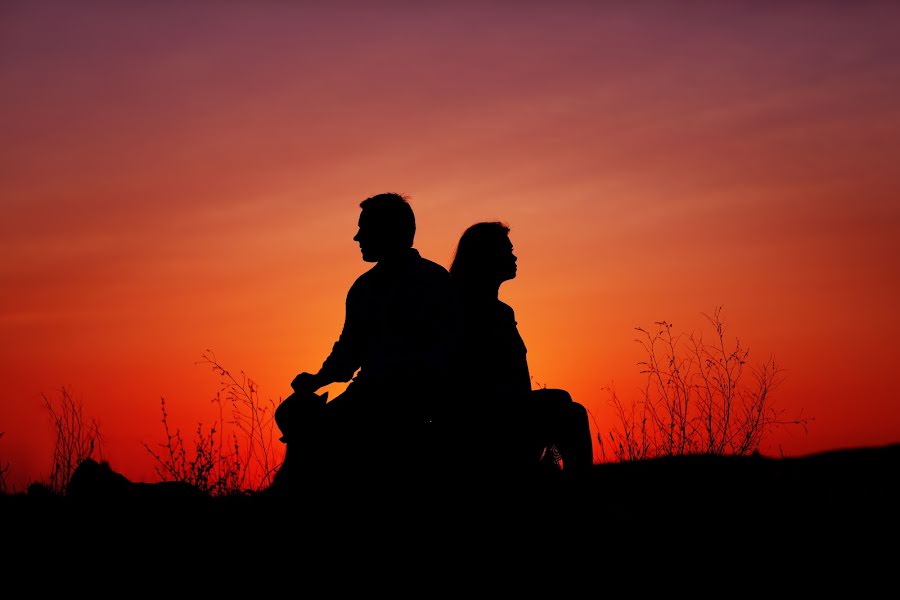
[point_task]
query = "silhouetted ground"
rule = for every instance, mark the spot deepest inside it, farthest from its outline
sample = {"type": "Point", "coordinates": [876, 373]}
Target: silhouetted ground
{"type": "Point", "coordinates": [840, 503]}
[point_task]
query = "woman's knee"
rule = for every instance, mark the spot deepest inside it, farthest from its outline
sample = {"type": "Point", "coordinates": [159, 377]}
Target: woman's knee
{"type": "Point", "coordinates": [578, 412]}
{"type": "Point", "coordinates": [554, 395]}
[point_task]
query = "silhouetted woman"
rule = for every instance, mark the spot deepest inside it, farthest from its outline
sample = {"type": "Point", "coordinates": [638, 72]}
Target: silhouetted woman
{"type": "Point", "coordinates": [498, 412]}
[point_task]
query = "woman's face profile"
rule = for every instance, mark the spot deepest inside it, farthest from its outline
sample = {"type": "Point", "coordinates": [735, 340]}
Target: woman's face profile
{"type": "Point", "coordinates": [505, 260]}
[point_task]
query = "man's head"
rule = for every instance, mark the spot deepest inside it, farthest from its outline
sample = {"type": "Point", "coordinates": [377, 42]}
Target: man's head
{"type": "Point", "coordinates": [387, 226]}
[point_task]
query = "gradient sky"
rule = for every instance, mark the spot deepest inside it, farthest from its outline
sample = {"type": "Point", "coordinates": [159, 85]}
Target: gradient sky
{"type": "Point", "coordinates": [176, 177]}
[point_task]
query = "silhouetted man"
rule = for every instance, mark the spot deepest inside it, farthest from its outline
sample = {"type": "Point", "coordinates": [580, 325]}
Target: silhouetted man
{"type": "Point", "coordinates": [396, 339]}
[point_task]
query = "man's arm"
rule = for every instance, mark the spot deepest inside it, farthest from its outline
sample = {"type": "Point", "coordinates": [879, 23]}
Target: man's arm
{"type": "Point", "coordinates": [345, 357]}
{"type": "Point", "coordinates": [308, 382]}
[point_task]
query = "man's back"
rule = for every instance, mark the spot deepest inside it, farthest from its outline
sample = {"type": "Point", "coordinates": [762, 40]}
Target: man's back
{"type": "Point", "coordinates": [397, 334]}
{"type": "Point", "coordinates": [397, 328]}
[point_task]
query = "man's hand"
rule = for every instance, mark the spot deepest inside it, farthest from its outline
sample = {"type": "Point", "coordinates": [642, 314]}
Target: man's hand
{"type": "Point", "coordinates": [306, 382]}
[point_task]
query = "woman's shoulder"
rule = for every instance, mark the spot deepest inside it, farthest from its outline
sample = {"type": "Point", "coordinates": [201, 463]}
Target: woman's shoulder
{"type": "Point", "coordinates": [506, 310]}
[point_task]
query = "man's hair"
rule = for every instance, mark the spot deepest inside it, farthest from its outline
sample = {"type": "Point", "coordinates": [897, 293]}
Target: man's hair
{"type": "Point", "coordinates": [394, 214]}
{"type": "Point", "coordinates": [477, 241]}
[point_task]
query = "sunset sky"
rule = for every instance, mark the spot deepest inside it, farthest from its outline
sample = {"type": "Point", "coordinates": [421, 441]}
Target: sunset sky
{"type": "Point", "coordinates": [176, 177]}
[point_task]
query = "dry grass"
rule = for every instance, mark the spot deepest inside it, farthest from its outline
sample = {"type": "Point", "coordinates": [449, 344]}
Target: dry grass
{"type": "Point", "coordinates": [239, 453]}
{"type": "Point", "coordinates": [700, 397]}
{"type": "Point", "coordinates": [208, 465]}
{"type": "Point", "coordinates": [77, 438]}
{"type": "Point", "coordinates": [4, 469]}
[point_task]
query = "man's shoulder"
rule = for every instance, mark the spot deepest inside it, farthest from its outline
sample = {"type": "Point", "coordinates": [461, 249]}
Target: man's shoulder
{"type": "Point", "coordinates": [365, 281]}
{"type": "Point", "coordinates": [418, 269]}
{"type": "Point", "coordinates": [432, 269]}
{"type": "Point", "coordinates": [425, 270]}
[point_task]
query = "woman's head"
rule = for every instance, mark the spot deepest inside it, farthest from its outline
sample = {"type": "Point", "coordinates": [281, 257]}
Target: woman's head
{"type": "Point", "coordinates": [484, 255]}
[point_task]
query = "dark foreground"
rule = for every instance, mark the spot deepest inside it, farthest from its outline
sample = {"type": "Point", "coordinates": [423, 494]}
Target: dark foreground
{"type": "Point", "coordinates": [838, 503]}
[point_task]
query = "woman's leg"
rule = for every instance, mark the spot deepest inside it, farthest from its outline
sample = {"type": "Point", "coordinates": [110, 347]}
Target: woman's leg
{"type": "Point", "coordinates": [564, 423]}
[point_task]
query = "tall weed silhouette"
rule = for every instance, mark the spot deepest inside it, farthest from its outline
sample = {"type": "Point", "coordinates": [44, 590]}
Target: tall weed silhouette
{"type": "Point", "coordinates": [701, 396]}
{"type": "Point", "coordinates": [237, 454]}
{"type": "Point", "coordinates": [4, 469]}
{"type": "Point", "coordinates": [77, 437]}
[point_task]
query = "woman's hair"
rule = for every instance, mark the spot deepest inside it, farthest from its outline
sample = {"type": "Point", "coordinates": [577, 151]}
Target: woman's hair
{"type": "Point", "coordinates": [478, 241]}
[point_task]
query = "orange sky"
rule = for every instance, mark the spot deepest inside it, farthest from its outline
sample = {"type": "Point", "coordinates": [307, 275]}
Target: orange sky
{"type": "Point", "coordinates": [187, 176]}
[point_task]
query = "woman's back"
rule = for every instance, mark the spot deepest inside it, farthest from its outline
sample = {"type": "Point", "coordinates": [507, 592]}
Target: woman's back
{"type": "Point", "coordinates": [495, 407]}
{"type": "Point", "coordinates": [491, 357]}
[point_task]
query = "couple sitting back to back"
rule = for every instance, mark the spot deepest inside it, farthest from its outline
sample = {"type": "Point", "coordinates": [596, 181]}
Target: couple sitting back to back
{"type": "Point", "coordinates": [442, 370]}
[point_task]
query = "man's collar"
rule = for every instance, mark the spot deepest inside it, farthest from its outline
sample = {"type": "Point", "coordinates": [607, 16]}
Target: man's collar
{"type": "Point", "coordinates": [404, 257]}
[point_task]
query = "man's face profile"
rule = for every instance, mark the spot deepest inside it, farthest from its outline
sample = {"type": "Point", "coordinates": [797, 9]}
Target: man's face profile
{"type": "Point", "coordinates": [370, 237]}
